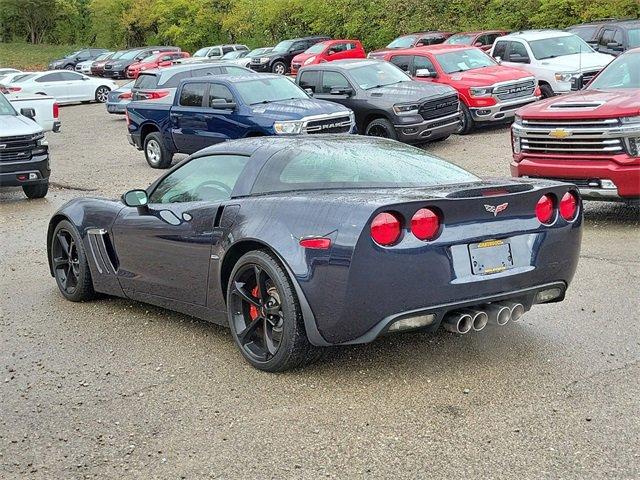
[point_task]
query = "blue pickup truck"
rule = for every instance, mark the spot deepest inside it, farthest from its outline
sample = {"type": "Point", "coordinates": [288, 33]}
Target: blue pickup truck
{"type": "Point", "coordinates": [212, 109]}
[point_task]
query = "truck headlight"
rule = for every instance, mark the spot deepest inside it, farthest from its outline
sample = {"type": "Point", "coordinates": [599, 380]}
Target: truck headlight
{"type": "Point", "coordinates": [264, 60]}
{"type": "Point", "coordinates": [406, 108]}
{"type": "Point", "coordinates": [481, 91]}
{"type": "Point", "coordinates": [628, 120]}
{"type": "Point", "coordinates": [565, 76]}
{"type": "Point", "coordinates": [288, 128]}
{"type": "Point", "coordinates": [515, 141]}
{"type": "Point", "coordinates": [309, 60]}
{"type": "Point", "coordinates": [517, 119]}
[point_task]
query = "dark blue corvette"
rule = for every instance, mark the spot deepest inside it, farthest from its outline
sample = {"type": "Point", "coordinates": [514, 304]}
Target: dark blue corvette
{"type": "Point", "coordinates": [300, 243]}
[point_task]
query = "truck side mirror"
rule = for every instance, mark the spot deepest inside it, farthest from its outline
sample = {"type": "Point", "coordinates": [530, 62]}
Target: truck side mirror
{"type": "Point", "coordinates": [425, 73]}
{"type": "Point", "coordinates": [222, 104]}
{"type": "Point", "coordinates": [341, 91]}
{"type": "Point", "coordinates": [28, 112]}
{"type": "Point", "coordinates": [614, 46]}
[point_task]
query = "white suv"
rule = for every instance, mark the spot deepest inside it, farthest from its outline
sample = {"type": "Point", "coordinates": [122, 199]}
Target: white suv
{"type": "Point", "coordinates": [552, 56]}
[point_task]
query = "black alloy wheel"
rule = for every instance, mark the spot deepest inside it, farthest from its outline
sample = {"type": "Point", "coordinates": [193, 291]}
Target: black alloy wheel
{"type": "Point", "coordinates": [69, 263]}
{"type": "Point", "coordinates": [265, 316]}
{"type": "Point", "coordinates": [381, 127]}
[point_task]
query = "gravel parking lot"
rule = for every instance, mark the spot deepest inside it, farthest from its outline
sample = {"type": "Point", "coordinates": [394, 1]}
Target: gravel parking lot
{"type": "Point", "coordinates": [118, 389]}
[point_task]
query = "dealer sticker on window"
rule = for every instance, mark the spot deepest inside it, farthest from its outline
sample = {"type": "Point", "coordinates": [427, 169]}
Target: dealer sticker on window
{"type": "Point", "coordinates": [491, 256]}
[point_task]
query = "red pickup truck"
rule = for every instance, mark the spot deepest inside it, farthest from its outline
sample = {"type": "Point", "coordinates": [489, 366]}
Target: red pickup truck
{"type": "Point", "coordinates": [590, 138]}
{"type": "Point", "coordinates": [157, 60]}
{"type": "Point", "coordinates": [488, 91]}
{"type": "Point", "coordinates": [327, 52]}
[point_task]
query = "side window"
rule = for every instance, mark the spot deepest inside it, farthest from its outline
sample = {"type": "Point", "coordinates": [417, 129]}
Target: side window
{"type": "Point", "coordinates": [333, 80]}
{"type": "Point", "coordinates": [227, 50]}
{"type": "Point", "coordinates": [482, 40]}
{"type": "Point", "coordinates": [402, 61]}
{"type": "Point", "coordinates": [617, 37]}
{"type": "Point", "coordinates": [219, 94]}
{"type": "Point", "coordinates": [308, 80]}
{"type": "Point", "coordinates": [51, 77]}
{"type": "Point", "coordinates": [166, 58]}
{"type": "Point", "coordinates": [192, 94]}
{"type": "Point", "coordinates": [172, 82]}
{"type": "Point", "coordinates": [491, 37]}
{"type": "Point", "coordinates": [517, 51]}
{"type": "Point", "coordinates": [500, 50]}
{"type": "Point", "coordinates": [300, 46]}
{"type": "Point", "coordinates": [421, 63]}
{"type": "Point", "coordinates": [204, 179]}
{"type": "Point", "coordinates": [69, 76]}
{"type": "Point", "coordinates": [214, 52]}
{"type": "Point", "coordinates": [606, 38]}
{"type": "Point", "coordinates": [339, 47]}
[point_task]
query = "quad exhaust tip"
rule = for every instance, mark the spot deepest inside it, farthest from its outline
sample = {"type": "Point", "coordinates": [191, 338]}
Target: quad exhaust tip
{"type": "Point", "coordinates": [465, 320]}
{"type": "Point", "coordinates": [458, 322]}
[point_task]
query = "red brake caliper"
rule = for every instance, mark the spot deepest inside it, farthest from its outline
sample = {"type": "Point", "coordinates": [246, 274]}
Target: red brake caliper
{"type": "Point", "coordinates": [253, 310]}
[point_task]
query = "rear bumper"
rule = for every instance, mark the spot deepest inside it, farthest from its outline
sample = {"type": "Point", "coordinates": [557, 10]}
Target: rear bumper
{"type": "Point", "coordinates": [429, 129]}
{"type": "Point", "coordinates": [117, 108]}
{"type": "Point", "coordinates": [589, 174]}
{"type": "Point", "coordinates": [16, 174]}
{"type": "Point", "coordinates": [500, 111]}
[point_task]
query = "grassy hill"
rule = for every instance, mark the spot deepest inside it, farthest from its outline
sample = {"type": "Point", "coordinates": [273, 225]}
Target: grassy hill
{"type": "Point", "coordinates": [24, 56]}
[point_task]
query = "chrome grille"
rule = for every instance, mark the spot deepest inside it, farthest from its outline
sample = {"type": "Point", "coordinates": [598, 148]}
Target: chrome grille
{"type": "Point", "coordinates": [329, 125]}
{"type": "Point", "coordinates": [439, 107]}
{"type": "Point", "coordinates": [18, 148]}
{"type": "Point", "coordinates": [588, 76]}
{"type": "Point", "coordinates": [509, 91]}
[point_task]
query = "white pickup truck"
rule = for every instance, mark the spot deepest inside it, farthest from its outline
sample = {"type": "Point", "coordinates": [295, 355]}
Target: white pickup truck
{"type": "Point", "coordinates": [43, 109]}
{"type": "Point", "coordinates": [554, 57]}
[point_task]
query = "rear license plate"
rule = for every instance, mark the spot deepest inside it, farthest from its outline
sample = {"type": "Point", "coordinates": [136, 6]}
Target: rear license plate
{"type": "Point", "coordinates": [492, 256]}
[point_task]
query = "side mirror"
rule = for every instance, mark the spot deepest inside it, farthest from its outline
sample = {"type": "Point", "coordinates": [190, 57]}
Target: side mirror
{"type": "Point", "coordinates": [166, 63]}
{"type": "Point", "coordinates": [330, 52]}
{"type": "Point", "coordinates": [135, 198]}
{"type": "Point", "coordinates": [498, 60]}
{"type": "Point", "coordinates": [478, 44]}
{"type": "Point", "coordinates": [341, 91]}
{"type": "Point", "coordinates": [28, 112]}
{"type": "Point", "coordinates": [614, 46]}
{"type": "Point", "coordinates": [86, 78]}
{"type": "Point", "coordinates": [309, 91]}
{"type": "Point", "coordinates": [425, 73]}
{"type": "Point", "coordinates": [221, 104]}
{"type": "Point", "coordinates": [515, 58]}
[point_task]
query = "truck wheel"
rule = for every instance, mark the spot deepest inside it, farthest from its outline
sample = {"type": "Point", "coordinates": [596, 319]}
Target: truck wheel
{"type": "Point", "coordinates": [155, 152]}
{"type": "Point", "coordinates": [546, 91]}
{"type": "Point", "coordinates": [39, 190]}
{"type": "Point", "coordinates": [381, 127]}
{"type": "Point", "coordinates": [102, 94]}
{"type": "Point", "coordinates": [466, 121]}
{"type": "Point", "coordinates": [69, 67]}
{"type": "Point", "coordinates": [279, 68]}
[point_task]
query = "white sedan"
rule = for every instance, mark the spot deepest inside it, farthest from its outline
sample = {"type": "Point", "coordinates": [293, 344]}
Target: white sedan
{"type": "Point", "coordinates": [65, 86]}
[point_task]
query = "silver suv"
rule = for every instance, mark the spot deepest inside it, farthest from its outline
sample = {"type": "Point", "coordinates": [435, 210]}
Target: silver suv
{"type": "Point", "coordinates": [215, 52]}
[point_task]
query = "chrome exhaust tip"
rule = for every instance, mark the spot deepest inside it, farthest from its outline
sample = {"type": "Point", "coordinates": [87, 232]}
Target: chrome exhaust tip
{"type": "Point", "coordinates": [458, 322]}
{"type": "Point", "coordinates": [517, 310]}
{"type": "Point", "coordinates": [479, 319]}
{"type": "Point", "coordinates": [499, 314]}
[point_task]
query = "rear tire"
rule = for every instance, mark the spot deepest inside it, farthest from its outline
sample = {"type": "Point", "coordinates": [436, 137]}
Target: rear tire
{"type": "Point", "coordinates": [381, 127]}
{"type": "Point", "coordinates": [155, 151]}
{"type": "Point", "coordinates": [467, 124]}
{"type": "Point", "coordinates": [69, 67]}
{"type": "Point", "coordinates": [38, 190]}
{"type": "Point", "coordinates": [546, 91]}
{"type": "Point", "coordinates": [68, 261]}
{"type": "Point", "coordinates": [274, 337]}
{"type": "Point", "coordinates": [279, 68]}
{"type": "Point", "coordinates": [102, 94]}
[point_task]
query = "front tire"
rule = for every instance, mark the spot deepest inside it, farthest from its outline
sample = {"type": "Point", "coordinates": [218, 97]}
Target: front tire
{"type": "Point", "coordinates": [155, 152]}
{"type": "Point", "coordinates": [381, 127]}
{"type": "Point", "coordinates": [279, 68]}
{"type": "Point", "coordinates": [265, 316]}
{"type": "Point", "coordinates": [38, 190]}
{"type": "Point", "coordinates": [68, 261]}
{"type": "Point", "coordinates": [102, 94]}
{"type": "Point", "coordinates": [69, 67]}
{"type": "Point", "coordinates": [546, 91]}
{"type": "Point", "coordinates": [467, 124]}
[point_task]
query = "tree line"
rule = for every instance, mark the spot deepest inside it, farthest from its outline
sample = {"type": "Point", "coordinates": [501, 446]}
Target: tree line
{"type": "Point", "coordinates": [191, 24]}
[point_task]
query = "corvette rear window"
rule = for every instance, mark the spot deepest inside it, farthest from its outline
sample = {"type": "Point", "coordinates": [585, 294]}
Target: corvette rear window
{"type": "Point", "coordinates": [339, 164]}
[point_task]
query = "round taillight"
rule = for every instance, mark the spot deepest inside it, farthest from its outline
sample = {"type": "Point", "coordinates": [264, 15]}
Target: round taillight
{"type": "Point", "coordinates": [425, 224]}
{"type": "Point", "coordinates": [385, 228]}
{"type": "Point", "coordinates": [568, 206]}
{"type": "Point", "coordinates": [544, 209]}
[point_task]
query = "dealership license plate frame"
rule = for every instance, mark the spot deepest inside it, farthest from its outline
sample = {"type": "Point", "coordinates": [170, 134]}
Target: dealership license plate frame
{"type": "Point", "coordinates": [491, 256]}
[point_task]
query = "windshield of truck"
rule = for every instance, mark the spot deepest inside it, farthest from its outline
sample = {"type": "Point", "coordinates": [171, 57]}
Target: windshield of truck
{"type": "Point", "coordinates": [623, 72]}
{"type": "Point", "coordinates": [283, 46]}
{"type": "Point", "coordinates": [463, 60]}
{"type": "Point", "coordinates": [559, 47]}
{"type": "Point", "coordinates": [267, 90]}
{"type": "Point", "coordinates": [403, 42]}
{"type": "Point", "coordinates": [634, 37]}
{"type": "Point", "coordinates": [378, 75]}
{"type": "Point", "coordinates": [460, 39]}
{"type": "Point", "coordinates": [5, 107]}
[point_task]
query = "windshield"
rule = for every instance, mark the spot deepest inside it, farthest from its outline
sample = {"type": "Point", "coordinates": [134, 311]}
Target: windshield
{"type": "Point", "coordinates": [403, 42]}
{"type": "Point", "coordinates": [460, 39]}
{"type": "Point", "coordinates": [130, 55]}
{"type": "Point", "coordinates": [378, 75]}
{"type": "Point", "coordinates": [22, 78]}
{"type": "Point", "coordinates": [266, 90]}
{"type": "Point", "coordinates": [623, 72]}
{"type": "Point", "coordinates": [103, 56]}
{"type": "Point", "coordinates": [71, 55]}
{"type": "Point", "coordinates": [462, 60]}
{"type": "Point", "coordinates": [344, 164]}
{"type": "Point", "coordinates": [317, 48]}
{"type": "Point", "coordinates": [283, 46]}
{"type": "Point", "coordinates": [5, 107]}
{"type": "Point", "coordinates": [634, 37]}
{"type": "Point", "coordinates": [232, 55]}
{"type": "Point", "coordinates": [202, 52]}
{"type": "Point", "coordinates": [559, 47]}
{"type": "Point", "coordinates": [259, 51]}
{"type": "Point", "coordinates": [118, 54]}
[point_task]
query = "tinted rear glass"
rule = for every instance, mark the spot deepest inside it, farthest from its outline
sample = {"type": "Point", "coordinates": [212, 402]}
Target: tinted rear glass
{"type": "Point", "coordinates": [146, 81]}
{"type": "Point", "coordinates": [343, 163]}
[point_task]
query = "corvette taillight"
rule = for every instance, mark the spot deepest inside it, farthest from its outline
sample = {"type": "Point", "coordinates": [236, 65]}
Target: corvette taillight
{"type": "Point", "coordinates": [568, 206]}
{"type": "Point", "coordinates": [425, 224]}
{"type": "Point", "coordinates": [386, 228]}
{"type": "Point", "coordinates": [56, 111]}
{"type": "Point", "coordinates": [544, 209]}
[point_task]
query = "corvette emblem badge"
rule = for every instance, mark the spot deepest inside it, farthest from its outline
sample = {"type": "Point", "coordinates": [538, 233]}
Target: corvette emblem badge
{"type": "Point", "coordinates": [496, 209]}
{"type": "Point", "coordinates": [559, 133]}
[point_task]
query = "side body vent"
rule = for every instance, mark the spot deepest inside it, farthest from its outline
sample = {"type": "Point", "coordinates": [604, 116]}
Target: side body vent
{"type": "Point", "coordinates": [102, 251]}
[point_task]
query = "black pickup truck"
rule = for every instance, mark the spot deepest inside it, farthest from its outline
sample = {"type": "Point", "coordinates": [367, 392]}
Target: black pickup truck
{"type": "Point", "coordinates": [386, 102]}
